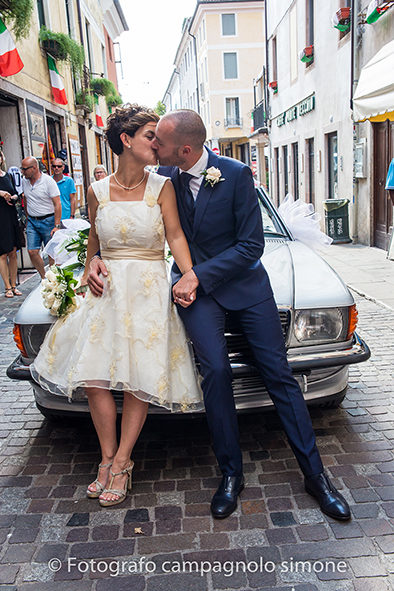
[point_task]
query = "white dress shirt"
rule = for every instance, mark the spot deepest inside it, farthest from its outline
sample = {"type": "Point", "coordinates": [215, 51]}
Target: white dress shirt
{"type": "Point", "coordinates": [195, 171]}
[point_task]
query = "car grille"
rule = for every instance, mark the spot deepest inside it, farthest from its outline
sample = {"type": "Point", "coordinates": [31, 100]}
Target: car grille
{"type": "Point", "coordinates": [238, 347]}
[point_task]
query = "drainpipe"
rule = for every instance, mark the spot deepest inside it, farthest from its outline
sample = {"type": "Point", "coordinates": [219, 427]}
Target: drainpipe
{"type": "Point", "coordinates": [195, 62]}
{"type": "Point", "coordinates": [353, 65]}
{"type": "Point", "coordinates": [80, 21]}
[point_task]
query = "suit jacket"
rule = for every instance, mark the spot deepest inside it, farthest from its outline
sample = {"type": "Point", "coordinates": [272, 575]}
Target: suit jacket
{"type": "Point", "coordinates": [226, 239]}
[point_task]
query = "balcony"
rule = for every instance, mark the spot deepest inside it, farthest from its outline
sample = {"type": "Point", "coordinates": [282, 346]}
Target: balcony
{"type": "Point", "coordinates": [259, 117]}
{"type": "Point", "coordinates": [233, 122]}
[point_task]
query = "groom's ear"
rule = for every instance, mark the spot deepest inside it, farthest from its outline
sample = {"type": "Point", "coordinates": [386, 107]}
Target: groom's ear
{"type": "Point", "coordinates": [186, 150]}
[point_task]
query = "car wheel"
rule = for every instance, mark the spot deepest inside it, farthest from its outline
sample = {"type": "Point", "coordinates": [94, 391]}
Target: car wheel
{"type": "Point", "coordinates": [334, 402]}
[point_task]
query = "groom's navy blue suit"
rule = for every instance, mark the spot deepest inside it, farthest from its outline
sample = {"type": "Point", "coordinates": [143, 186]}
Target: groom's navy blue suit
{"type": "Point", "coordinates": [226, 240]}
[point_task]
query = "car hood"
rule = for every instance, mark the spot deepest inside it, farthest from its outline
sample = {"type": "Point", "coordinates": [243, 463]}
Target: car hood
{"type": "Point", "coordinates": [300, 278]}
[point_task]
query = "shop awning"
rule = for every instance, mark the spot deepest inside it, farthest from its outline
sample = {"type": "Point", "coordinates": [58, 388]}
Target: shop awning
{"type": "Point", "coordinates": [374, 96]}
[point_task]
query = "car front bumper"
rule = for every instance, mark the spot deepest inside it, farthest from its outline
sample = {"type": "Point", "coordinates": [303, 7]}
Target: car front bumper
{"type": "Point", "coordinates": [322, 375]}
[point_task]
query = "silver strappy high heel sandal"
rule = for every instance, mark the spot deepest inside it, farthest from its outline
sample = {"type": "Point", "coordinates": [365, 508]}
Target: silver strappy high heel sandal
{"type": "Point", "coordinates": [94, 494]}
{"type": "Point", "coordinates": [121, 494]}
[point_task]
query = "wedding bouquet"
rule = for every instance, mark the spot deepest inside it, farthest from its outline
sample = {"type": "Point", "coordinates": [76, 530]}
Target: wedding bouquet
{"type": "Point", "coordinates": [67, 247]}
{"type": "Point", "coordinates": [58, 291]}
{"type": "Point", "coordinates": [78, 244]}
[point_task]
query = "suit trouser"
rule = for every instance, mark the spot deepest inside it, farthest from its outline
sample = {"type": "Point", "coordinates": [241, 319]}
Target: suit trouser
{"type": "Point", "coordinates": [204, 321]}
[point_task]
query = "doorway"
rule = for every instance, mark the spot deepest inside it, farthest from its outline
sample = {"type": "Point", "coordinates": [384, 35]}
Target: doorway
{"type": "Point", "coordinates": [383, 141]}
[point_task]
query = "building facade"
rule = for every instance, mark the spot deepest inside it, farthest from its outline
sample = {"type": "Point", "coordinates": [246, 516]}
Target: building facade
{"type": "Point", "coordinates": [220, 53]}
{"type": "Point", "coordinates": [308, 80]}
{"type": "Point", "coordinates": [374, 137]}
{"type": "Point", "coordinates": [31, 121]}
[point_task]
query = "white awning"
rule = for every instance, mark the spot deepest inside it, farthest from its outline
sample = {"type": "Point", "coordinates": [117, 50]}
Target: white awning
{"type": "Point", "coordinates": [374, 96]}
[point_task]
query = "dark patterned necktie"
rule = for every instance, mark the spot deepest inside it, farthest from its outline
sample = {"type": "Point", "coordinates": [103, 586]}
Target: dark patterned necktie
{"type": "Point", "coordinates": [187, 195]}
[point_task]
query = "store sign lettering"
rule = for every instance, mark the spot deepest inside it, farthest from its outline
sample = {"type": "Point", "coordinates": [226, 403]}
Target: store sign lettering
{"type": "Point", "coordinates": [307, 105]}
{"type": "Point", "coordinates": [300, 109]}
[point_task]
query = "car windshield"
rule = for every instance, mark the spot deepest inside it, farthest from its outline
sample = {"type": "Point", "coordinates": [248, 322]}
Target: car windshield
{"type": "Point", "coordinates": [270, 222]}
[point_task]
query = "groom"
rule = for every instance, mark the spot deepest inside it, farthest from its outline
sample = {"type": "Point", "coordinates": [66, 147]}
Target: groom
{"type": "Point", "coordinates": [221, 219]}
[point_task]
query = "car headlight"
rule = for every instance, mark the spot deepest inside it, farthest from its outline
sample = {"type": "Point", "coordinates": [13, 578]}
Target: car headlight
{"type": "Point", "coordinates": [29, 338]}
{"type": "Point", "coordinates": [320, 326]}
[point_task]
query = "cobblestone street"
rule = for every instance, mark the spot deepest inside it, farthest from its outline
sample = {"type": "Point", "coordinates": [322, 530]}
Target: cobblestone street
{"type": "Point", "coordinates": [44, 513]}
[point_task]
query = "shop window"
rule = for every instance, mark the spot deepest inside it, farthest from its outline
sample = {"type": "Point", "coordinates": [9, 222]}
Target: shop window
{"type": "Point", "coordinates": [285, 170]}
{"type": "Point", "coordinates": [277, 173]}
{"type": "Point", "coordinates": [310, 146]}
{"type": "Point", "coordinates": [294, 148]}
{"type": "Point", "coordinates": [332, 165]}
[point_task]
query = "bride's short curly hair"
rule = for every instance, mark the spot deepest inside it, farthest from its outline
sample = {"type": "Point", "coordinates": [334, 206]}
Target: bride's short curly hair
{"type": "Point", "coordinates": [127, 119]}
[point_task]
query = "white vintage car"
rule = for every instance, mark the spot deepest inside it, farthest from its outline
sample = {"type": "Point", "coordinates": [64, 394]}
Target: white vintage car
{"type": "Point", "coordinates": [317, 312]}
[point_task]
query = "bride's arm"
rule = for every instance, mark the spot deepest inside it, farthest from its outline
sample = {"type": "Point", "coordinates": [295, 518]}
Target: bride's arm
{"type": "Point", "coordinates": [93, 242]}
{"type": "Point", "coordinates": [173, 230]}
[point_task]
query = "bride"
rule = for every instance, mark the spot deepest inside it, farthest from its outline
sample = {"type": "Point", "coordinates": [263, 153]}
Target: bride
{"type": "Point", "coordinates": [131, 338]}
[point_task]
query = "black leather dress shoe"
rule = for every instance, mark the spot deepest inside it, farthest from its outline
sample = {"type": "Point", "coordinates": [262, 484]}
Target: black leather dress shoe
{"type": "Point", "coordinates": [224, 501]}
{"type": "Point", "coordinates": [330, 500]}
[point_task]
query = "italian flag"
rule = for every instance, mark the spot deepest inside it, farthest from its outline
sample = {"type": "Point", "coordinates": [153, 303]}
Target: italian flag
{"type": "Point", "coordinates": [99, 119]}
{"type": "Point", "coordinates": [10, 62]}
{"type": "Point", "coordinates": [59, 94]}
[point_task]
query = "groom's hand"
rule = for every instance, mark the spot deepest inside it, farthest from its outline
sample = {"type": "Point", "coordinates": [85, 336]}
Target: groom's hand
{"type": "Point", "coordinates": [96, 268]}
{"type": "Point", "coordinates": [185, 288]}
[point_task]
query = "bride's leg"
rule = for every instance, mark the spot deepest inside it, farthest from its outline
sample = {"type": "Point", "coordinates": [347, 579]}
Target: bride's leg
{"type": "Point", "coordinates": [103, 411]}
{"type": "Point", "coordinates": [133, 419]}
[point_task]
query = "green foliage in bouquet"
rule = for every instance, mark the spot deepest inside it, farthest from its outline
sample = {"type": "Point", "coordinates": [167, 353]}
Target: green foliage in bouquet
{"type": "Point", "coordinates": [79, 245]}
{"type": "Point", "coordinates": [58, 291]}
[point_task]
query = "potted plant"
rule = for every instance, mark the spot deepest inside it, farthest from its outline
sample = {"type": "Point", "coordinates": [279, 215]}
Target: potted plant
{"type": "Point", "coordinates": [273, 86]}
{"type": "Point", "coordinates": [341, 19]}
{"type": "Point", "coordinates": [63, 48]}
{"type": "Point", "coordinates": [306, 54]}
{"type": "Point", "coordinates": [17, 14]}
{"type": "Point", "coordinates": [84, 102]}
{"type": "Point", "coordinates": [113, 100]}
{"type": "Point", "coordinates": [102, 86]}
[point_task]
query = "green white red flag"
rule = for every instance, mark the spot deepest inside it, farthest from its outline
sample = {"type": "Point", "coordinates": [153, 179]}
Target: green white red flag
{"type": "Point", "coordinates": [10, 62]}
{"type": "Point", "coordinates": [99, 119]}
{"type": "Point", "coordinates": [59, 94]}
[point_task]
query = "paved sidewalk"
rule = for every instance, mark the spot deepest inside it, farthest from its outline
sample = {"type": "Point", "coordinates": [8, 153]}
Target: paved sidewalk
{"type": "Point", "coordinates": [364, 269]}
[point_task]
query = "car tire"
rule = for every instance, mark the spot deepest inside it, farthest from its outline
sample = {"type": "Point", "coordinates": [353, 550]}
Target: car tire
{"type": "Point", "coordinates": [334, 402]}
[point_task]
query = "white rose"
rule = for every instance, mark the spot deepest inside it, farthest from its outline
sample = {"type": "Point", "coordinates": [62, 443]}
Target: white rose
{"type": "Point", "coordinates": [56, 305]}
{"type": "Point", "coordinates": [85, 242]}
{"type": "Point", "coordinates": [213, 174]}
{"type": "Point", "coordinates": [50, 275]}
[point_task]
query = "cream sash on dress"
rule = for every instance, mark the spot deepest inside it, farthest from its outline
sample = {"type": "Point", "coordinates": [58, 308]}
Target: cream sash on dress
{"type": "Point", "coordinates": [141, 254]}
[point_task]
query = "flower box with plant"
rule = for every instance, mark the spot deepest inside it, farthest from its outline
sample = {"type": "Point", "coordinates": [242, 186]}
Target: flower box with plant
{"type": "Point", "coordinates": [102, 86]}
{"type": "Point", "coordinates": [306, 54]}
{"type": "Point", "coordinates": [17, 15]}
{"type": "Point", "coordinates": [65, 48]}
{"type": "Point", "coordinates": [84, 101]}
{"type": "Point", "coordinates": [341, 19]}
{"type": "Point", "coordinates": [113, 100]}
{"type": "Point", "coordinates": [273, 86]}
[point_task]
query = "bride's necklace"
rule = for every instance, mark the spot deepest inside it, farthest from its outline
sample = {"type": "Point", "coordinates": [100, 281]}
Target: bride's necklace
{"type": "Point", "coordinates": [130, 188]}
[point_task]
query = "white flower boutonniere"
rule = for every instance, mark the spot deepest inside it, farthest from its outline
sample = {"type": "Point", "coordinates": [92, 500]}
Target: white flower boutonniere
{"type": "Point", "coordinates": [212, 176]}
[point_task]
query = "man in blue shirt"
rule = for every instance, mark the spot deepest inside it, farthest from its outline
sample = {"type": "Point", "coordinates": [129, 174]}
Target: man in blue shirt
{"type": "Point", "coordinates": [68, 192]}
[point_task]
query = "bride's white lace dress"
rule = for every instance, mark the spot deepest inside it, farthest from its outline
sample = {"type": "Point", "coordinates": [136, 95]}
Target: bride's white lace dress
{"type": "Point", "coordinates": [131, 338]}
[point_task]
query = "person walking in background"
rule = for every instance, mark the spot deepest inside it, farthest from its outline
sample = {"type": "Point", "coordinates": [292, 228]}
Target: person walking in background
{"type": "Point", "coordinates": [99, 172]}
{"type": "Point", "coordinates": [10, 238]}
{"type": "Point", "coordinates": [68, 192]}
{"type": "Point", "coordinates": [390, 188]}
{"type": "Point", "coordinates": [43, 209]}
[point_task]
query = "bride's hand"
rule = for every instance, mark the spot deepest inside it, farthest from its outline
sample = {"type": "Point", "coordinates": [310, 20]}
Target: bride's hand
{"type": "Point", "coordinates": [96, 268]}
{"type": "Point", "coordinates": [185, 303]}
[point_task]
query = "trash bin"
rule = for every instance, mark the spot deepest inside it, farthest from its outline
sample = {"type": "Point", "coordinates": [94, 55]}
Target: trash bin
{"type": "Point", "coordinates": [336, 213]}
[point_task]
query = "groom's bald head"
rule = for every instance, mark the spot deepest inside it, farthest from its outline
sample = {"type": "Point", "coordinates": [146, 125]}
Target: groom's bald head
{"type": "Point", "coordinates": [180, 137]}
{"type": "Point", "coordinates": [188, 128]}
